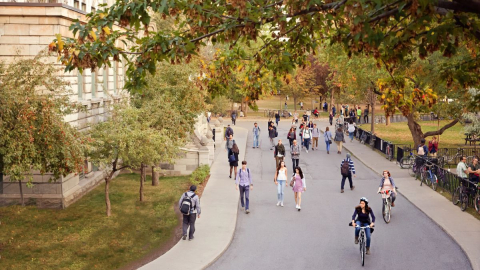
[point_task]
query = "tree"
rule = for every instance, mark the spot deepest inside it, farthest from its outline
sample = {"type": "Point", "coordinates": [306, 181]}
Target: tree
{"type": "Point", "coordinates": [34, 136]}
{"type": "Point", "coordinates": [390, 30]}
{"type": "Point", "coordinates": [126, 140]}
{"type": "Point", "coordinates": [301, 84]}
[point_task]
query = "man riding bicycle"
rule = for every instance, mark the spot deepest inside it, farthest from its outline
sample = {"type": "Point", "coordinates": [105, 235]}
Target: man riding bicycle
{"type": "Point", "coordinates": [387, 184]}
{"type": "Point", "coordinates": [363, 211]}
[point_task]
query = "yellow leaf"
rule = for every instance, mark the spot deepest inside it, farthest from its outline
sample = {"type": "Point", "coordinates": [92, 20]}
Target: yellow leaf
{"type": "Point", "coordinates": [222, 58]}
{"type": "Point", "coordinates": [76, 52]}
{"type": "Point", "coordinates": [102, 15]}
{"type": "Point", "coordinates": [107, 30]}
{"type": "Point", "coordinates": [60, 41]}
{"type": "Point", "coordinates": [239, 68]}
{"type": "Point", "coordinates": [94, 36]}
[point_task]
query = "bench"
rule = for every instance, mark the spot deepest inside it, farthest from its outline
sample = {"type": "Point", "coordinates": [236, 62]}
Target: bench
{"type": "Point", "coordinates": [471, 138]}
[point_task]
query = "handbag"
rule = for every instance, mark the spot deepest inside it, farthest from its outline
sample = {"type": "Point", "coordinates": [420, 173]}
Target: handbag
{"type": "Point", "coordinates": [292, 182]}
{"type": "Point", "coordinates": [231, 158]}
{"type": "Point", "coordinates": [329, 141]}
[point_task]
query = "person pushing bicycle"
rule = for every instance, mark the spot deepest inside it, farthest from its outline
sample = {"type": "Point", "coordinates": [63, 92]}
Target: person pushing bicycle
{"type": "Point", "coordinates": [361, 218]}
{"type": "Point", "coordinates": [387, 184]}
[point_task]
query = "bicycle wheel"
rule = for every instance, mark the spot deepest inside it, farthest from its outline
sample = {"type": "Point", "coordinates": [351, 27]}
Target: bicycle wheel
{"type": "Point", "coordinates": [456, 196]}
{"type": "Point", "coordinates": [477, 203]}
{"type": "Point", "coordinates": [413, 171]}
{"type": "Point", "coordinates": [463, 201]}
{"type": "Point", "coordinates": [386, 212]}
{"type": "Point", "coordinates": [434, 182]}
{"type": "Point", "coordinates": [362, 252]}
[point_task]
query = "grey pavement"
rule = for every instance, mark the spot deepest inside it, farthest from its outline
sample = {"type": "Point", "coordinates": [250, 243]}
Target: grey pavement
{"type": "Point", "coordinates": [216, 225]}
{"type": "Point", "coordinates": [319, 237]}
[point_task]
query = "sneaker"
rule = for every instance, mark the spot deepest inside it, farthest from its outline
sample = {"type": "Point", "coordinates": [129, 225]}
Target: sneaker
{"type": "Point", "coordinates": [306, 150]}
{"type": "Point", "coordinates": [281, 204]}
{"type": "Point", "coordinates": [341, 191]}
{"type": "Point", "coordinates": [296, 206]}
{"type": "Point", "coordinates": [328, 152]}
{"type": "Point", "coordinates": [243, 208]}
{"type": "Point", "coordinates": [247, 211]}
{"type": "Point", "coordinates": [184, 237]}
{"type": "Point", "coordinates": [190, 239]}
{"type": "Point", "coordinates": [368, 250]}
{"type": "Point", "coordinates": [352, 188]}
{"type": "Point", "coordinates": [393, 204]}
{"type": "Point", "coordinates": [299, 208]}
{"type": "Point", "coordinates": [278, 203]}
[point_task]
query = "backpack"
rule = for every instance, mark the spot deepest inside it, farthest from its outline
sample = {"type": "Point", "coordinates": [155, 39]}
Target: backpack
{"type": "Point", "coordinates": [345, 169]}
{"type": "Point", "coordinates": [187, 204]}
{"type": "Point", "coordinates": [421, 151]}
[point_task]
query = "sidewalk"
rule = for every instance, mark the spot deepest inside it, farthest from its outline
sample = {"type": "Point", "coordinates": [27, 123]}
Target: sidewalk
{"type": "Point", "coordinates": [215, 229]}
{"type": "Point", "coordinates": [462, 227]}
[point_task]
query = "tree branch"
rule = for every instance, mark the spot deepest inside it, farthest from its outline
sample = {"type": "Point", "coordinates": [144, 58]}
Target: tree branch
{"type": "Point", "coordinates": [460, 6]}
{"type": "Point", "coordinates": [440, 131]}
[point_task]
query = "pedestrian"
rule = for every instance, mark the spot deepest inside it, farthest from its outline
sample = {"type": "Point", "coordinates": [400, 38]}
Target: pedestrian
{"type": "Point", "coordinates": [306, 137]}
{"type": "Point", "coordinates": [295, 153]}
{"type": "Point", "coordinates": [281, 181]}
{"type": "Point", "coordinates": [305, 116]}
{"type": "Point", "coordinates": [301, 128]}
{"type": "Point", "coordinates": [295, 118]}
{"type": "Point", "coordinates": [190, 207]}
{"type": "Point", "coordinates": [270, 122]}
{"type": "Point", "coordinates": [256, 135]}
{"type": "Point", "coordinates": [291, 136]}
{"type": "Point", "coordinates": [299, 186]}
{"type": "Point", "coordinates": [233, 159]}
{"type": "Point", "coordinates": [279, 153]}
{"type": "Point", "coordinates": [341, 120]}
{"type": "Point", "coordinates": [286, 107]}
{"type": "Point", "coordinates": [228, 132]}
{"type": "Point", "coordinates": [209, 116]}
{"type": "Point", "coordinates": [328, 139]}
{"type": "Point", "coordinates": [325, 107]}
{"type": "Point", "coordinates": [339, 140]}
{"type": "Point", "coordinates": [310, 125]}
{"type": "Point", "coordinates": [301, 105]}
{"type": "Point", "coordinates": [228, 146]}
{"type": "Point", "coordinates": [342, 109]}
{"type": "Point", "coordinates": [433, 147]}
{"type": "Point", "coordinates": [422, 149]}
{"type": "Point", "coordinates": [346, 110]}
{"type": "Point", "coordinates": [277, 117]}
{"type": "Point", "coordinates": [352, 115]}
{"type": "Point", "coordinates": [347, 168]}
{"type": "Point", "coordinates": [271, 135]}
{"type": "Point", "coordinates": [244, 182]}
{"type": "Point", "coordinates": [334, 110]}
{"type": "Point", "coordinates": [309, 114]}
{"type": "Point", "coordinates": [361, 218]}
{"type": "Point", "coordinates": [359, 114]}
{"type": "Point", "coordinates": [474, 171]}
{"type": "Point", "coordinates": [462, 169]}
{"type": "Point", "coordinates": [365, 115]}
{"type": "Point", "coordinates": [351, 130]}
{"type": "Point", "coordinates": [316, 113]}
{"type": "Point", "coordinates": [387, 184]}
{"type": "Point", "coordinates": [315, 135]}
{"type": "Point", "coordinates": [330, 117]}
{"type": "Point", "coordinates": [234, 117]}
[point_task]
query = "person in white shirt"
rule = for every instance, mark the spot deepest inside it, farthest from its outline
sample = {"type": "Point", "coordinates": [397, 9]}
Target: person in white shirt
{"type": "Point", "coordinates": [306, 137]}
{"type": "Point", "coordinates": [351, 130]}
{"type": "Point", "coordinates": [315, 135]}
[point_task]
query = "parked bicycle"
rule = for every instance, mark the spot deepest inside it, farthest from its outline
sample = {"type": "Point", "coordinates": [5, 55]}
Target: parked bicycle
{"type": "Point", "coordinates": [373, 138]}
{"type": "Point", "coordinates": [442, 178]}
{"type": "Point", "coordinates": [362, 241]}
{"type": "Point", "coordinates": [407, 161]}
{"type": "Point", "coordinates": [387, 205]}
{"type": "Point", "coordinates": [364, 137]}
{"type": "Point", "coordinates": [427, 175]}
{"type": "Point", "coordinates": [389, 151]}
{"type": "Point", "coordinates": [461, 193]}
{"type": "Point", "coordinates": [444, 158]}
{"type": "Point", "coordinates": [476, 201]}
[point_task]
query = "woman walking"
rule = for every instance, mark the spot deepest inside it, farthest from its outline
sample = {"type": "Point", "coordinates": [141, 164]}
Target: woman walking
{"type": "Point", "coordinates": [351, 130]}
{"type": "Point", "coordinates": [295, 152]}
{"type": "Point", "coordinates": [281, 181]}
{"type": "Point", "coordinates": [291, 136]}
{"type": "Point", "coordinates": [299, 186]}
{"type": "Point", "coordinates": [234, 161]}
{"type": "Point", "coordinates": [328, 139]}
{"type": "Point", "coordinates": [339, 139]}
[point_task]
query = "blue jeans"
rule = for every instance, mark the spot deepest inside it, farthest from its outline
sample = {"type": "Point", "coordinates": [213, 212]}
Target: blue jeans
{"type": "Point", "coordinates": [328, 145]}
{"type": "Point", "coordinates": [367, 231]}
{"type": "Point", "coordinates": [295, 163]}
{"type": "Point", "coordinates": [350, 134]}
{"type": "Point", "coordinates": [280, 189]}
{"type": "Point", "coordinates": [244, 193]}
{"type": "Point", "coordinates": [255, 140]}
{"type": "Point", "coordinates": [306, 143]}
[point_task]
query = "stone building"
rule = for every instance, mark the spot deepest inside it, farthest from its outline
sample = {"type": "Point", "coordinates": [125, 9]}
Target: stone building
{"type": "Point", "coordinates": [26, 28]}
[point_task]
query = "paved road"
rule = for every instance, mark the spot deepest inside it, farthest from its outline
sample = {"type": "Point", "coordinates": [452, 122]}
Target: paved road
{"type": "Point", "coordinates": [318, 237]}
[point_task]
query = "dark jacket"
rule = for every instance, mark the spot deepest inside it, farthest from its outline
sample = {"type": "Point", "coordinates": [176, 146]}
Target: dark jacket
{"type": "Point", "coordinates": [279, 149]}
{"type": "Point", "coordinates": [271, 133]}
{"type": "Point", "coordinates": [294, 137]}
{"type": "Point", "coordinates": [339, 136]}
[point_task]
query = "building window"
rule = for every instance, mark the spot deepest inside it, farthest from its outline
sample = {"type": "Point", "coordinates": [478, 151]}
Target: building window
{"type": "Point", "coordinates": [105, 81]}
{"type": "Point", "coordinates": [94, 84]}
{"type": "Point", "coordinates": [93, 10]}
{"type": "Point", "coordinates": [80, 83]}
{"type": "Point", "coordinates": [84, 7]}
{"type": "Point", "coordinates": [115, 77]}
{"type": "Point", "coordinates": [76, 4]}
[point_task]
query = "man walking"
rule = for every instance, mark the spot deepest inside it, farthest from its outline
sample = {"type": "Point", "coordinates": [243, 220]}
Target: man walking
{"type": "Point", "coordinates": [277, 117]}
{"type": "Point", "coordinates": [359, 114]}
{"type": "Point", "coordinates": [256, 134]}
{"type": "Point", "coordinates": [295, 152]}
{"type": "Point", "coordinates": [189, 206]}
{"type": "Point", "coordinates": [271, 135]}
{"type": "Point", "coordinates": [279, 153]}
{"type": "Point", "coordinates": [228, 132]}
{"type": "Point", "coordinates": [315, 135]}
{"type": "Point", "coordinates": [365, 115]}
{"type": "Point", "coordinates": [306, 137]}
{"type": "Point", "coordinates": [244, 181]}
{"type": "Point", "coordinates": [334, 110]}
{"type": "Point", "coordinates": [347, 168]}
{"type": "Point", "coordinates": [234, 117]}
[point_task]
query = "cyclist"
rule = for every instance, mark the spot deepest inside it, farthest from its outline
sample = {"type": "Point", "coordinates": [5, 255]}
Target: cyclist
{"type": "Point", "coordinates": [363, 211]}
{"type": "Point", "coordinates": [387, 184]}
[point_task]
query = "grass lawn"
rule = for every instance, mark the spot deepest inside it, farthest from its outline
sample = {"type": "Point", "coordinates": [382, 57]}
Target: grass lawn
{"type": "Point", "coordinates": [400, 134]}
{"type": "Point", "coordinates": [82, 237]}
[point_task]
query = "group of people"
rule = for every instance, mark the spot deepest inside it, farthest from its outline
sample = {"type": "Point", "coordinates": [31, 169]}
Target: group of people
{"type": "Point", "coordinates": [354, 114]}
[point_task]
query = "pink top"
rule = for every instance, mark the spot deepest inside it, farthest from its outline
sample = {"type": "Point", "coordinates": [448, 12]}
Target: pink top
{"type": "Point", "coordinates": [387, 185]}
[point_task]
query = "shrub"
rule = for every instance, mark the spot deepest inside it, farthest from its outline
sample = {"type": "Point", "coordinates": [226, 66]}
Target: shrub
{"type": "Point", "coordinates": [199, 175]}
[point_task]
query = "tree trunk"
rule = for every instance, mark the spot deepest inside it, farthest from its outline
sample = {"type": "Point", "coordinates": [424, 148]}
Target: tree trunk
{"type": "Point", "coordinates": [387, 120]}
{"type": "Point", "coordinates": [143, 174]}
{"type": "Point", "coordinates": [294, 102]}
{"type": "Point", "coordinates": [21, 192]}
{"type": "Point", "coordinates": [415, 130]}
{"type": "Point", "coordinates": [155, 175]}
{"type": "Point", "coordinates": [107, 196]}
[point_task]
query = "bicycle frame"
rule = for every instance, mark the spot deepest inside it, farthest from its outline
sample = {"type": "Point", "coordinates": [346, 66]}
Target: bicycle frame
{"type": "Point", "coordinates": [387, 205]}
{"type": "Point", "coordinates": [362, 241]}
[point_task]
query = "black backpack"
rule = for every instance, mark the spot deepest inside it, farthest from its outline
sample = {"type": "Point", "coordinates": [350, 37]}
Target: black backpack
{"type": "Point", "coordinates": [187, 204]}
{"type": "Point", "coordinates": [345, 169]}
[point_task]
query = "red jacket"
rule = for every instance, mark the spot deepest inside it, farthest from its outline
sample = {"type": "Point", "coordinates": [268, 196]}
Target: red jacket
{"type": "Point", "coordinates": [432, 145]}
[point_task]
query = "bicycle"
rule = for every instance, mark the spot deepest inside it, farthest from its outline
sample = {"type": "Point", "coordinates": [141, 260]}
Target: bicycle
{"type": "Point", "coordinates": [460, 195]}
{"type": "Point", "coordinates": [441, 176]}
{"type": "Point", "coordinates": [476, 201]}
{"type": "Point", "coordinates": [372, 141]}
{"type": "Point", "coordinates": [387, 205]}
{"type": "Point", "coordinates": [444, 158]}
{"type": "Point", "coordinates": [362, 241]}
{"type": "Point", "coordinates": [389, 151]}
{"type": "Point", "coordinates": [427, 175]}
{"type": "Point", "coordinates": [406, 162]}
{"type": "Point", "coordinates": [363, 138]}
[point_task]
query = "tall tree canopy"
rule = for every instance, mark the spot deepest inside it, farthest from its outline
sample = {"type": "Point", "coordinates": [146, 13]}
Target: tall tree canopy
{"type": "Point", "coordinates": [289, 30]}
